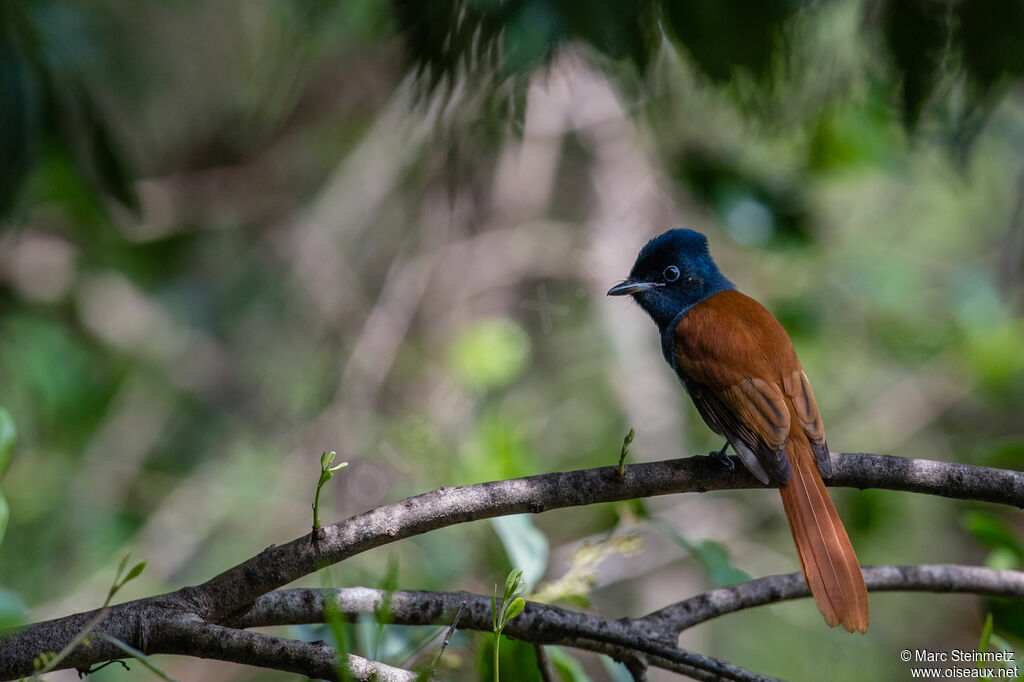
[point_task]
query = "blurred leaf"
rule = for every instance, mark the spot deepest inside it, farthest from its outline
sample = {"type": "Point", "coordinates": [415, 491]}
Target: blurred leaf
{"type": "Point", "coordinates": [5, 515]}
{"type": "Point", "coordinates": [727, 35]}
{"type": "Point", "coordinates": [490, 353]}
{"type": "Point", "coordinates": [986, 634]}
{"type": "Point", "coordinates": [616, 671]}
{"type": "Point", "coordinates": [800, 317]}
{"type": "Point", "coordinates": [66, 398]}
{"type": "Point", "coordinates": [1003, 559]}
{"type": "Point", "coordinates": [498, 447]}
{"type": "Point", "coordinates": [712, 556]}
{"type": "Point", "coordinates": [1007, 615]}
{"type": "Point", "coordinates": [990, 33]}
{"type": "Point", "coordinates": [483, 38]}
{"type": "Point", "coordinates": [121, 565]}
{"type": "Point", "coordinates": [578, 580]}
{"type": "Point", "coordinates": [617, 29]}
{"type": "Point", "coordinates": [916, 31]}
{"type": "Point", "coordinates": [525, 545]}
{"type": "Point", "coordinates": [19, 108]}
{"type": "Point", "coordinates": [81, 133]}
{"type": "Point", "coordinates": [530, 36]}
{"type": "Point", "coordinates": [8, 436]}
{"type": "Point", "coordinates": [337, 625]}
{"type": "Point", "coordinates": [12, 610]}
{"type": "Point", "coordinates": [1006, 454]}
{"type": "Point", "coordinates": [867, 511]}
{"type": "Point", "coordinates": [993, 354]}
{"type": "Point", "coordinates": [567, 667]}
{"type": "Point", "coordinates": [755, 210]}
{"type": "Point", "coordinates": [106, 160]}
{"type": "Point", "coordinates": [442, 37]}
{"type": "Point", "coordinates": [992, 531]}
{"type": "Point", "coordinates": [43, 99]}
{"type": "Point", "coordinates": [853, 137]}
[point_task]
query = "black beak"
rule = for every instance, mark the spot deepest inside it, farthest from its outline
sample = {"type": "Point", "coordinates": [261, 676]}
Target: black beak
{"type": "Point", "coordinates": [630, 287]}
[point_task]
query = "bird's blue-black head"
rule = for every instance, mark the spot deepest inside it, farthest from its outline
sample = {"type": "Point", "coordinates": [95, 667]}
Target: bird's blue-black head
{"type": "Point", "coordinates": [673, 273]}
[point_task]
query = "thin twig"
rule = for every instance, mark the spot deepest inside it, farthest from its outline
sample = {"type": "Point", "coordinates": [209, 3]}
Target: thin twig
{"type": "Point", "coordinates": [544, 664]}
{"type": "Point", "coordinates": [447, 638]}
{"type": "Point", "coordinates": [637, 668]}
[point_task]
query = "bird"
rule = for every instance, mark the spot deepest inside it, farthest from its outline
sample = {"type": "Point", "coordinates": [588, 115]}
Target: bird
{"type": "Point", "coordinates": [740, 369]}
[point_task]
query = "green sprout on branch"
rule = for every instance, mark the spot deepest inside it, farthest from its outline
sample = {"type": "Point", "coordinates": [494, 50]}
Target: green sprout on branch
{"type": "Point", "coordinates": [45, 662]}
{"type": "Point", "coordinates": [503, 612]}
{"type": "Point", "coordinates": [326, 474]}
{"type": "Point", "coordinates": [625, 451]}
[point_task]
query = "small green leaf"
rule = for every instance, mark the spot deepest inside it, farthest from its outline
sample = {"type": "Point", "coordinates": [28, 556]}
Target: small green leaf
{"type": "Point", "coordinates": [512, 582]}
{"type": "Point", "coordinates": [568, 668]}
{"type": "Point", "coordinates": [121, 566]}
{"type": "Point", "coordinates": [986, 633]}
{"type": "Point", "coordinates": [12, 609]}
{"type": "Point", "coordinates": [514, 609]}
{"type": "Point", "coordinates": [525, 545]}
{"type": "Point", "coordinates": [625, 450]}
{"type": "Point", "coordinates": [8, 436]}
{"type": "Point", "coordinates": [134, 573]}
{"type": "Point", "coordinates": [712, 556]}
{"type": "Point", "coordinates": [326, 474]}
{"type": "Point", "coordinates": [992, 531]}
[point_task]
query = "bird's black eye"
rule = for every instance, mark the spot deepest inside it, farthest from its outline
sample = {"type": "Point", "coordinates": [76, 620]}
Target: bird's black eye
{"type": "Point", "coordinates": [671, 273]}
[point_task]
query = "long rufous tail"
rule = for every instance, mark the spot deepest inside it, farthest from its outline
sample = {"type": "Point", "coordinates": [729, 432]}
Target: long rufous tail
{"type": "Point", "coordinates": [827, 558]}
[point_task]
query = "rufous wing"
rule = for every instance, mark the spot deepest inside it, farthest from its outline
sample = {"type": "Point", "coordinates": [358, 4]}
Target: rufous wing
{"type": "Point", "coordinates": [720, 354]}
{"type": "Point", "coordinates": [798, 390]}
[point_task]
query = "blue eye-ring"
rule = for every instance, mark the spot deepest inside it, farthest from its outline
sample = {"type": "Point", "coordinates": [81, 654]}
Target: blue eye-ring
{"type": "Point", "coordinates": [671, 273]}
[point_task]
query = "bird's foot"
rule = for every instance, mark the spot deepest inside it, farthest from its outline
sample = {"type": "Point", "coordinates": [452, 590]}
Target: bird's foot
{"type": "Point", "coordinates": [722, 457]}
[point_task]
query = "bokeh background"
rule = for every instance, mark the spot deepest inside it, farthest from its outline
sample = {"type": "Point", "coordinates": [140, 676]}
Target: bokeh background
{"type": "Point", "coordinates": [238, 234]}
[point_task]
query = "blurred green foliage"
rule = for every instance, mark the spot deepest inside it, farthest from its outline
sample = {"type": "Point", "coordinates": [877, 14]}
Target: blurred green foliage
{"type": "Point", "coordinates": [237, 234]}
{"type": "Point", "coordinates": [46, 110]}
{"type": "Point", "coordinates": [490, 353]}
{"type": "Point", "coordinates": [8, 436]}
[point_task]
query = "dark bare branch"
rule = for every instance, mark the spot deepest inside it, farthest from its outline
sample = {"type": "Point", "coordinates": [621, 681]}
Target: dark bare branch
{"type": "Point", "coordinates": [951, 578]}
{"type": "Point", "coordinates": [317, 660]}
{"type": "Point", "coordinates": [538, 623]}
{"type": "Point", "coordinates": [229, 595]}
{"type": "Point", "coordinates": [278, 566]}
{"type": "Point", "coordinates": [544, 624]}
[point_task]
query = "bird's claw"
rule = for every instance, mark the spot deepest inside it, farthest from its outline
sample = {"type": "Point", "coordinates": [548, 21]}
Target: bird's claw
{"type": "Point", "coordinates": [722, 457]}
